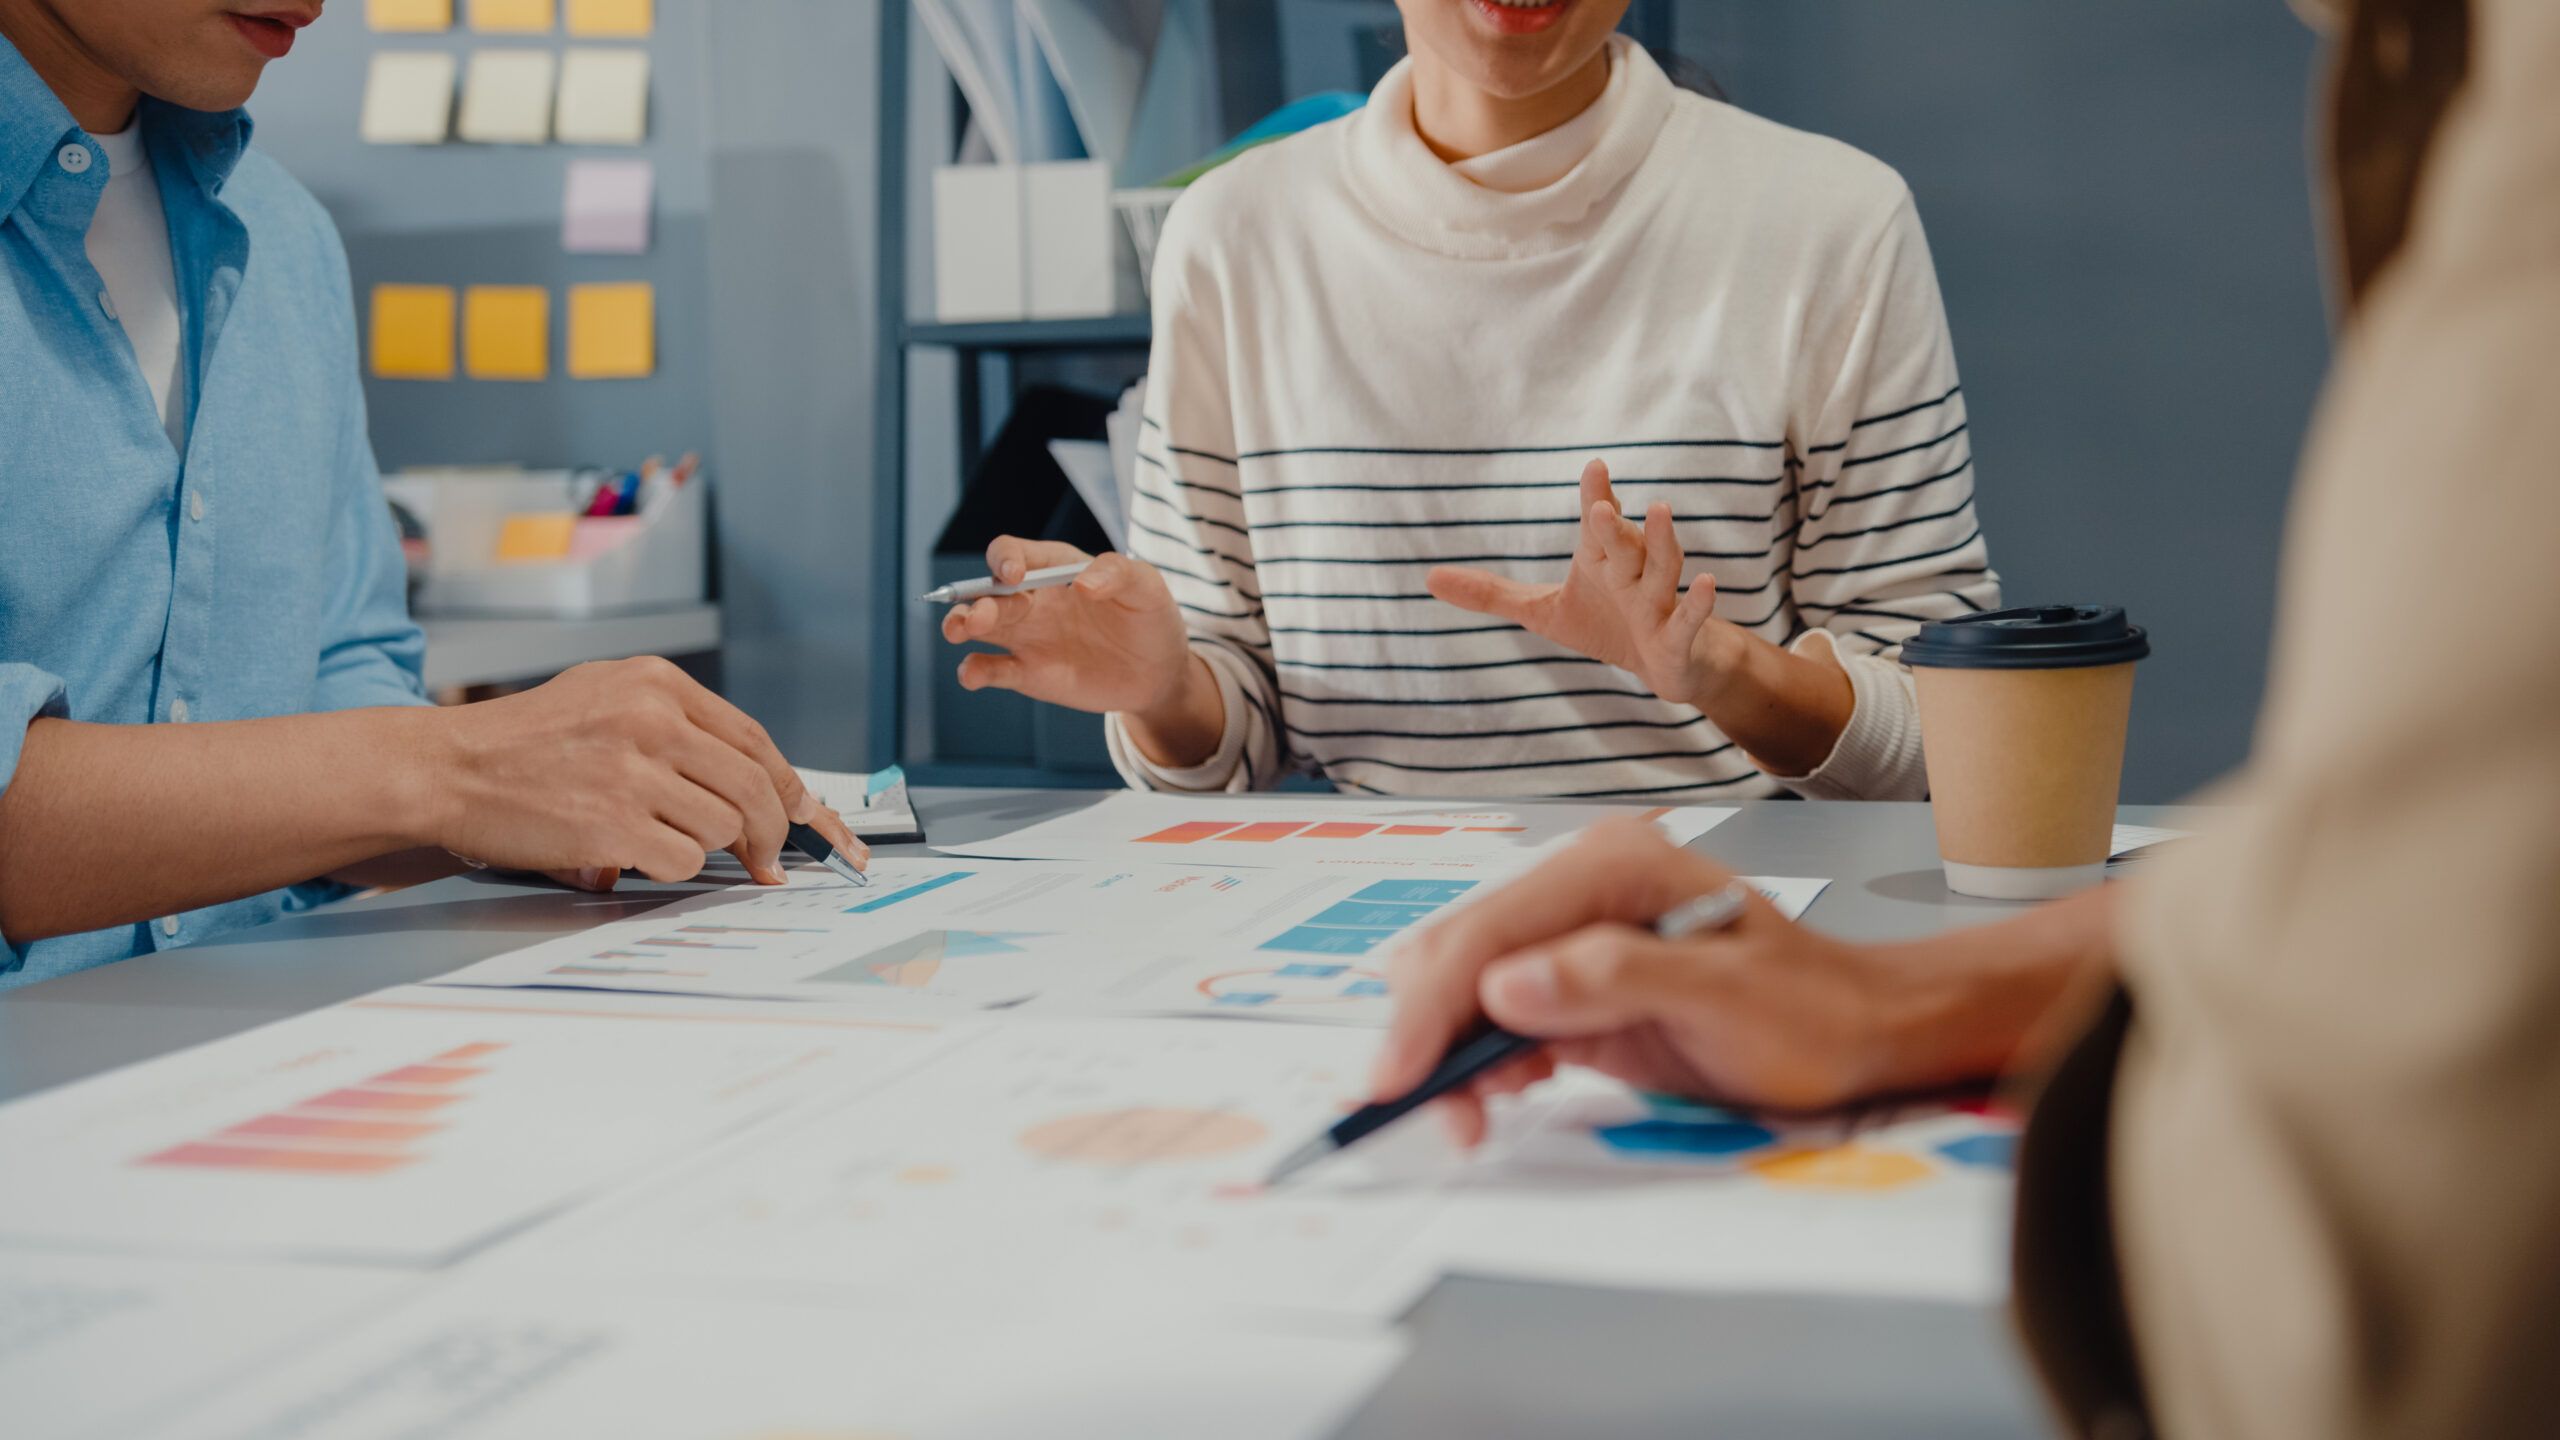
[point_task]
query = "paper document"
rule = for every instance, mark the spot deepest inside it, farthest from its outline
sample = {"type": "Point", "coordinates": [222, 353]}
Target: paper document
{"type": "Point", "coordinates": [407, 1126]}
{"type": "Point", "coordinates": [486, 1359]}
{"type": "Point", "coordinates": [935, 936]}
{"type": "Point", "coordinates": [96, 1345]}
{"type": "Point", "coordinates": [1087, 464]}
{"type": "Point", "coordinates": [1792, 894]}
{"type": "Point", "coordinates": [874, 804]}
{"type": "Point", "coordinates": [1132, 827]}
{"type": "Point", "coordinates": [2135, 837]}
{"type": "Point", "coordinates": [1068, 1168]}
{"type": "Point", "coordinates": [1586, 1182]}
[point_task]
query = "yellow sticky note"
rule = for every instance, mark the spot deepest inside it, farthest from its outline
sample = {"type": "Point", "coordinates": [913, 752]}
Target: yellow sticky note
{"type": "Point", "coordinates": [537, 535]}
{"type": "Point", "coordinates": [512, 17]}
{"type": "Point", "coordinates": [506, 332]}
{"type": "Point", "coordinates": [413, 332]}
{"type": "Point", "coordinates": [628, 19]}
{"type": "Point", "coordinates": [612, 331]}
{"type": "Point", "coordinates": [409, 16]}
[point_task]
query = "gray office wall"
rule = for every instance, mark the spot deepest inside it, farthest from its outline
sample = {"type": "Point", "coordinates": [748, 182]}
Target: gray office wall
{"type": "Point", "coordinates": [459, 214]}
{"type": "Point", "coordinates": [2117, 198]}
{"type": "Point", "coordinates": [2115, 194]}
{"type": "Point", "coordinates": [764, 131]}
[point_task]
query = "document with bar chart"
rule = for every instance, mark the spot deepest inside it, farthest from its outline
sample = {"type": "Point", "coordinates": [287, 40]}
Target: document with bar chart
{"type": "Point", "coordinates": [1134, 828]}
{"type": "Point", "coordinates": [932, 938]}
{"type": "Point", "coordinates": [408, 1126]}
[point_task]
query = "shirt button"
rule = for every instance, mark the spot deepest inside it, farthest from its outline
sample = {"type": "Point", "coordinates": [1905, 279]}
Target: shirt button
{"type": "Point", "coordinates": [195, 506]}
{"type": "Point", "coordinates": [107, 303]}
{"type": "Point", "coordinates": [74, 159]}
{"type": "Point", "coordinates": [169, 926]}
{"type": "Point", "coordinates": [178, 713]}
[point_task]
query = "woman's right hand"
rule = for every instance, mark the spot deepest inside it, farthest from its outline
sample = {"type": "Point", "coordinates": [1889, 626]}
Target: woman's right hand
{"type": "Point", "coordinates": [1112, 640]}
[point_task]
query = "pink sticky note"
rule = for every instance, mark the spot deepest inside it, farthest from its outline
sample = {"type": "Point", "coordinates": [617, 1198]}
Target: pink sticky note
{"type": "Point", "coordinates": [606, 211]}
{"type": "Point", "coordinates": [595, 534]}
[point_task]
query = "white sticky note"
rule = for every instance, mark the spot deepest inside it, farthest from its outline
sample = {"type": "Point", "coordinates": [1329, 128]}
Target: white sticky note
{"type": "Point", "coordinates": [506, 97]}
{"type": "Point", "coordinates": [408, 97]}
{"type": "Point", "coordinates": [606, 209]}
{"type": "Point", "coordinates": [604, 97]}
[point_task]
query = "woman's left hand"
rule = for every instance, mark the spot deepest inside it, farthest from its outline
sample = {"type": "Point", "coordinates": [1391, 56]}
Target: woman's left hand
{"type": "Point", "coordinates": [1620, 603]}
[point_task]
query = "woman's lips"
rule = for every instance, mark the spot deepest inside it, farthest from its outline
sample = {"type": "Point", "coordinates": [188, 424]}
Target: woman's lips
{"type": "Point", "coordinates": [1521, 19]}
{"type": "Point", "coordinates": [269, 37]}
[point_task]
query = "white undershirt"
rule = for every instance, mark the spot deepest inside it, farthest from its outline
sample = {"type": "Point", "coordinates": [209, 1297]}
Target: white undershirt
{"type": "Point", "coordinates": [128, 242]}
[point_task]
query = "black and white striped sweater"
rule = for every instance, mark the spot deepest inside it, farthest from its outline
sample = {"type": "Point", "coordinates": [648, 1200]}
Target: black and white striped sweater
{"type": "Point", "coordinates": [1365, 366]}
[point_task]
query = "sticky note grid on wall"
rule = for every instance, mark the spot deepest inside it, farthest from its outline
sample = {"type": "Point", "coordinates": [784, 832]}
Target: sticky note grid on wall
{"type": "Point", "coordinates": [504, 332]}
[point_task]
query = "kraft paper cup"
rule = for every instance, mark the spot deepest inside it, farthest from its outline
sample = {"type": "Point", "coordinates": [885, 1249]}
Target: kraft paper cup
{"type": "Point", "coordinates": [2022, 718]}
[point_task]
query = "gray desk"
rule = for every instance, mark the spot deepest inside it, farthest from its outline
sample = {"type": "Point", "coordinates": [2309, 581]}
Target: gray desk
{"type": "Point", "coordinates": [1492, 1358]}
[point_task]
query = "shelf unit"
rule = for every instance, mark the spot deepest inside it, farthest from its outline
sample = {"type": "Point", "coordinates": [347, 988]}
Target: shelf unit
{"type": "Point", "coordinates": [993, 356]}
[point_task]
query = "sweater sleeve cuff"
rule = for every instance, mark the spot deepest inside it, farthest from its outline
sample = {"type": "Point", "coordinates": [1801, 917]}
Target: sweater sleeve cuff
{"type": "Point", "coordinates": [1878, 755]}
{"type": "Point", "coordinates": [1211, 774]}
{"type": "Point", "coordinates": [27, 695]}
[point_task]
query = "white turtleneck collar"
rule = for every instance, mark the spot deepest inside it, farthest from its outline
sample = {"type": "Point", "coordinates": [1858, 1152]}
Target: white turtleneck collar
{"type": "Point", "coordinates": [1516, 200]}
{"type": "Point", "coordinates": [1545, 158]}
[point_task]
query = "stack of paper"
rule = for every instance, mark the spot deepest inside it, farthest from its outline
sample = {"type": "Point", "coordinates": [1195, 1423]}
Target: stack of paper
{"type": "Point", "coordinates": [974, 1151]}
{"type": "Point", "coordinates": [874, 804]}
{"type": "Point", "coordinates": [492, 1360]}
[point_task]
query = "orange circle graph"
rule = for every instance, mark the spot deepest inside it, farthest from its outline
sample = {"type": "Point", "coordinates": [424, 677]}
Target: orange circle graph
{"type": "Point", "coordinates": [1134, 1137]}
{"type": "Point", "coordinates": [1844, 1167]}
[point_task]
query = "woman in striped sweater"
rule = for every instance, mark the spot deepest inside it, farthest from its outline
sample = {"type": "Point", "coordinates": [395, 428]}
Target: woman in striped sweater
{"type": "Point", "coordinates": [1383, 350]}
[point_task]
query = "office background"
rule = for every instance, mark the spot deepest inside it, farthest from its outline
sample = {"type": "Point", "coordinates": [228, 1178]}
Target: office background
{"type": "Point", "coordinates": [2115, 194]}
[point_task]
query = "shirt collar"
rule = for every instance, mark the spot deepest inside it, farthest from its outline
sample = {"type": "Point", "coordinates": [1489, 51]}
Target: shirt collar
{"type": "Point", "coordinates": [34, 124]}
{"type": "Point", "coordinates": [211, 141]}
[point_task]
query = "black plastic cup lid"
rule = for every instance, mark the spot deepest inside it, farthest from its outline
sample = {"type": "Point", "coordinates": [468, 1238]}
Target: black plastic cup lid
{"type": "Point", "coordinates": [2037, 637]}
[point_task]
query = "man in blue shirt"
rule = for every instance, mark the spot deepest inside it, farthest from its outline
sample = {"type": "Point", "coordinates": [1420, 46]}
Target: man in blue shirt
{"type": "Point", "coordinates": [209, 683]}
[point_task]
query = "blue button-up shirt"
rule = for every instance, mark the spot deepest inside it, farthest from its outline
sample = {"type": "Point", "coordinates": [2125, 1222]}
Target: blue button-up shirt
{"type": "Point", "coordinates": [260, 574]}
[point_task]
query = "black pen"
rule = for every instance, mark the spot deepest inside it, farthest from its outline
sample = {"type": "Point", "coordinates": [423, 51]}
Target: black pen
{"type": "Point", "coordinates": [814, 845]}
{"type": "Point", "coordinates": [1488, 1045]}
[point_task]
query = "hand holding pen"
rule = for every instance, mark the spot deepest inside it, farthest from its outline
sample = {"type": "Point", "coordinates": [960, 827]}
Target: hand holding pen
{"type": "Point", "coordinates": [1762, 1012]}
{"type": "Point", "coordinates": [1488, 1047]}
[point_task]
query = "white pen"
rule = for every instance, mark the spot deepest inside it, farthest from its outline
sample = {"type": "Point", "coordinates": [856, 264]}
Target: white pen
{"type": "Point", "coordinates": [980, 589]}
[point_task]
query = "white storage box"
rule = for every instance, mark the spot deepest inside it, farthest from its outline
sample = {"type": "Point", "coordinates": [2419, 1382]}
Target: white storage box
{"type": "Point", "coordinates": [658, 563]}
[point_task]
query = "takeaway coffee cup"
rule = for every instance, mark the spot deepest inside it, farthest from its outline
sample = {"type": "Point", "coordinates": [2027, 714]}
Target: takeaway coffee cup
{"type": "Point", "coordinates": [2023, 715]}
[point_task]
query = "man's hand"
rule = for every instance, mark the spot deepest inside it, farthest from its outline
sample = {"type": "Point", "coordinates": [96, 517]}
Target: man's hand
{"type": "Point", "coordinates": [620, 764]}
{"type": "Point", "coordinates": [1621, 602]}
{"type": "Point", "coordinates": [1766, 1013]}
{"type": "Point", "coordinates": [1112, 640]}
{"type": "Point", "coordinates": [1763, 1013]}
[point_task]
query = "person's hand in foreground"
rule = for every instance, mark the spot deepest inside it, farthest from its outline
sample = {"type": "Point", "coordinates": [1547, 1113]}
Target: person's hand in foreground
{"type": "Point", "coordinates": [1622, 603]}
{"type": "Point", "coordinates": [1765, 1014]}
{"type": "Point", "coordinates": [621, 764]}
{"type": "Point", "coordinates": [625, 764]}
{"type": "Point", "coordinates": [1112, 640]}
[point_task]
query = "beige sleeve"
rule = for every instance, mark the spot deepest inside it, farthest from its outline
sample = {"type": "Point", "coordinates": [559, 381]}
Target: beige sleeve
{"type": "Point", "coordinates": [2336, 1152]}
{"type": "Point", "coordinates": [1878, 755]}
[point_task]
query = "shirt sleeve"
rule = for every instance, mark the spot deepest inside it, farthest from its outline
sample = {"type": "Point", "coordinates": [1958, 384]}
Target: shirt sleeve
{"type": "Point", "coordinates": [1886, 538]}
{"type": "Point", "coordinates": [27, 695]}
{"type": "Point", "coordinates": [1187, 519]}
{"type": "Point", "coordinates": [371, 652]}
